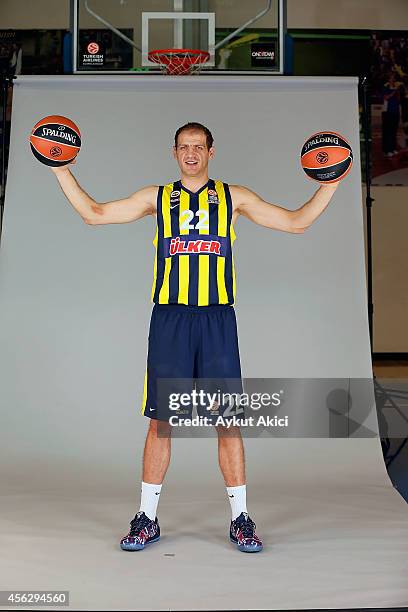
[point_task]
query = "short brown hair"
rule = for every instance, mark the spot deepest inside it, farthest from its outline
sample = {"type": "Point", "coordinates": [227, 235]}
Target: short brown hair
{"type": "Point", "coordinates": [192, 125]}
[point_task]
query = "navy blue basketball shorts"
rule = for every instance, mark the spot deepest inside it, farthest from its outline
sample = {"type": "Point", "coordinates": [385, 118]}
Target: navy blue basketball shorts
{"type": "Point", "coordinates": [193, 364]}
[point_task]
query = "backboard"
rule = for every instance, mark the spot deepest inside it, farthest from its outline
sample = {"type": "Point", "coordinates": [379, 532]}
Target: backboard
{"type": "Point", "coordinates": [115, 36]}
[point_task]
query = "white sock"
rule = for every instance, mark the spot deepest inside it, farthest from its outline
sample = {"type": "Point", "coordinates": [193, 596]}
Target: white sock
{"type": "Point", "coordinates": [237, 497]}
{"type": "Point", "coordinates": [150, 499]}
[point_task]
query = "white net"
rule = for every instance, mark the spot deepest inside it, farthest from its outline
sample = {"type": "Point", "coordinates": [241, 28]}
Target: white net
{"type": "Point", "coordinates": [179, 61]}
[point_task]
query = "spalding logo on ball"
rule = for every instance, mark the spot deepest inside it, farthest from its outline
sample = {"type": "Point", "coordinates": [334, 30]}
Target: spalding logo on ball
{"type": "Point", "coordinates": [55, 140]}
{"type": "Point", "coordinates": [326, 157]}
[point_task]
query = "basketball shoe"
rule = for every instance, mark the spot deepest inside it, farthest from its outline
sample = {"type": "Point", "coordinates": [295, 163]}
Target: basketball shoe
{"type": "Point", "coordinates": [142, 531]}
{"type": "Point", "coordinates": [242, 533]}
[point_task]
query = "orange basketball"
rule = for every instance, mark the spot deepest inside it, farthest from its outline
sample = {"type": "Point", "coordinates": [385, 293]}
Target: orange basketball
{"type": "Point", "coordinates": [326, 157]}
{"type": "Point", "coordinates": [55, 140]}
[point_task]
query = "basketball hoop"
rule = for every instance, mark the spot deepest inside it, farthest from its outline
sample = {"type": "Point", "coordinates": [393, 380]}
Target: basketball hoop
{"type": "Point", "coordinates": [179, 61]}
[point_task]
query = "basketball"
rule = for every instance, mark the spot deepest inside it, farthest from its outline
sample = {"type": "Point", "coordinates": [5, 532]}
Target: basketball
{"type": "Point", "coordinates": [55, 140]}
{"type": "Point", "coordinates": [326, 157]}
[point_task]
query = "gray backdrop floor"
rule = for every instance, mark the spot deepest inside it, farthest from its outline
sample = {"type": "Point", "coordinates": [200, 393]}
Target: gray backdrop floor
{"type": "Point", "coordinates": [73, 352]}
{"type": "Point", "coordinates": [335, 532]}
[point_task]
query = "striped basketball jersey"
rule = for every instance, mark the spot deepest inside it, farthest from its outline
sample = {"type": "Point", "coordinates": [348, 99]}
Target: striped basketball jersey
{"type": "Point", "coordinates": [194, 236]}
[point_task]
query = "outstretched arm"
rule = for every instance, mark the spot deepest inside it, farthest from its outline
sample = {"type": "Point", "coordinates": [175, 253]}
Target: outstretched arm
{"type": "Point", "coordinates": [252, 206]}
{"type": "Point", "coordinates": [136, 206]}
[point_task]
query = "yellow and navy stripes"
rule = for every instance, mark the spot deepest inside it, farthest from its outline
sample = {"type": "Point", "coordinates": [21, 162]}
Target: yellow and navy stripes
{"type": "Point", "coordinates": [194, 236]}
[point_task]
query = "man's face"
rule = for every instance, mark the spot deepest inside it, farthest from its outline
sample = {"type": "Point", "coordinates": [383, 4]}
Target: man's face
{"type": "Point", "coordinates": [192, 153]}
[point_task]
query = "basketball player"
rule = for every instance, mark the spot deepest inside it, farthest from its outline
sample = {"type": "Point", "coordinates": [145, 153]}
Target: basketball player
{"type": "Point", "coordinates": [193, 332]}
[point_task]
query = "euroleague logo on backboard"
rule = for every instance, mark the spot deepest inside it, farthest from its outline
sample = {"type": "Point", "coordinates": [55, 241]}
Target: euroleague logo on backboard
{"type": "Point", "coordinates": [92, 48]}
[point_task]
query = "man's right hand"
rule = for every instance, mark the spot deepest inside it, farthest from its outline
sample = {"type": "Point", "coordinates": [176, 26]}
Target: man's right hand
{"type": "Point", "coordinates": [62, 169]}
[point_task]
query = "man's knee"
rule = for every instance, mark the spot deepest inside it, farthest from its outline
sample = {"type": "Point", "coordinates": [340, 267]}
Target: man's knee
{"type": "Point", "coordinates": [228, 432]}
{"type": "Point", "coordinates": [159, 429]}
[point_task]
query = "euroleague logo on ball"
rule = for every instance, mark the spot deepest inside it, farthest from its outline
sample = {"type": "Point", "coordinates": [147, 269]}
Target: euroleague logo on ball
{"type": "Point", "coordinates": [322, 157]}
{"type": "Point", "coordinates": [93, 48]}
{"type": "Point", "coordinates": [55, 151]}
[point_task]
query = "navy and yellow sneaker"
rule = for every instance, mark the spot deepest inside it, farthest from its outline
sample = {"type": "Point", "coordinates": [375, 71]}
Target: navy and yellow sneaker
{"type": "Point", "coordinates": [143, 531]}
{"type": "Point", "coordinates": [242, 533]}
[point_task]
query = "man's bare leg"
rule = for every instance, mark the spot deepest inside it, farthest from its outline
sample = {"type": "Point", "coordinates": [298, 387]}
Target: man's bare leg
{"type": "Point", "coordinates": [157, 452]}
{"type": "Point", "coordinates": [144, 528]}
{"type": "Point", "coordinates": [231, 456]}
